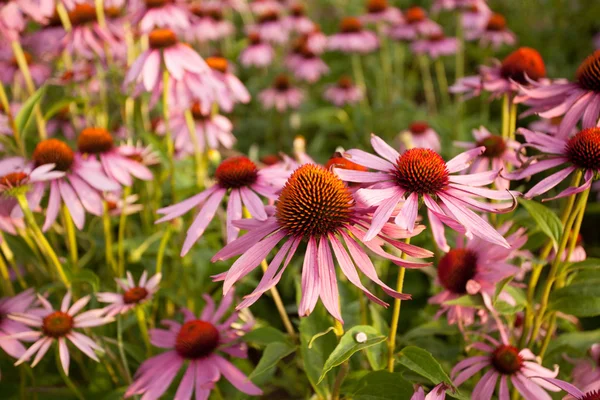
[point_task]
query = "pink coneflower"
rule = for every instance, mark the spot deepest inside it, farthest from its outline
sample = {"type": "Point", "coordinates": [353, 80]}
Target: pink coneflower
{"type": "Point", "coordinates": [297, 21]}
{"type": "Point", "coordinates": [494, 34]}
{"type": "Point", "coordinates": [343, 92]}
{"type": "Point", "coordinates": [499, 154]}
{"type": "Point", "coordinates": [240, 178]}
{"type": "Point", "coordinates": [198, 341]}
{"type": "Point", "coordinates": [548, 125]}
{"type": "Point", "coordinates": [580, 152]}
{"type": "Point", "coordinates": [98, 142]}
{"type": "Point", "coordinates": [352, 38]}
{"type": "Point", "coordinates": [180, 60]}
{"type": "Point", "coordinates": [80, 186]}
{"type": "Point", "coordinates": [282, 95]}
{"type": "Point", "coordinates": [117, 205]}
{"type": "Point", "coordinates": [423, 174]}
{"type": "Point", "coordinates": [212, 131]}
{"type": "Point", "coordinates": [523, 66]}
{"type": "Point", "coordinates": [415, 24]}
{"type": "Point", "coordinates": [271, 27]}
{"type": "Point", "coordinates": [20, 303]}
{"type": "Point", "coordinates": [504, 362]}
{"type": "Point", "coordinates": [474, 18]}
{"type": "Point", "coordinates": [143, 154]}
{"type": "Point", "coordinates": [262, 6]}
{"type": "Point", "coordinates": [166, 14]}
{"type": "Point", "coordinates": [59, 326]}
{"type": "Point", "coordinates": [233, 90]}
{"type": "Point", "coordinates": [10, 72]}
{"type": "Point", "coordinates": [61, 122]}
{"type": "Point", "coordinates": [435, 45]}
{"type": "Point", "coordinates": [574, 101]}
{"type": "Point", "coordinates": [421, 135]}
{"type": "Point", "coordinates": [208, 23]}
{"type": "Point", "coordinates": [87, 38]}
{"type": "Point", "coordinates": [133, 294]}
{"type": "Point", "coordinates": [380, 11]}
{"type": "Point", "coordinates": [315, 206]}
{"type": "Point", "coordinates": [452, 5]}
{"type": "Point", "coordinates": [309, 67]}
{"type": "Point", "coordinates": [474, 268]}
{"type": "Point", "coordinates": [258, 53]}
{"type": "Point", "coordinates": [316, 41]}
{"type": "Point", "coordinates": [591, 392]}
{"type": "Point", "coordinates": [13, 15]}
{"type": "Point", "coordinates": [586, 372]}
{"type": "Point", "coordinates": [437, 393]}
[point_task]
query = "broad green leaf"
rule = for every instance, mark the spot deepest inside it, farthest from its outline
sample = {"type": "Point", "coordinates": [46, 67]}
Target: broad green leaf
{"type": "Point", "coordinates": [382, 385]}
{"type": "Point", "coordinates": [423, 363]}
{"type": "Point", "coordinates": [348, 345]}
{"type": "Point", "coordinates": [265, 335]}
{"type": "Point", "coordinates": [436, 327]}
{"type": "Point", "coordinates": [273, 353]}
{"type": "Point", "coordinates": [545, 218]}
{"type": "Point", "coordinates": [581, 299]}
{"type": "Point", "coordinates": [518, 297]}
{"type": "Point", "coordinates": [589, 263]}
{"type": "Point", "coordinates": [24, 114]}
{"type": "Point", "coordinates": [377, 355]}
{"type": "Point", "coordinates": [581, 341]}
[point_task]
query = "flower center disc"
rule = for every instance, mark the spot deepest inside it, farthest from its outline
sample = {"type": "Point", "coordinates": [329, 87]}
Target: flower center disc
{"type": "Point", "coordinates": [588, 73]}
{"type": "Point", "coordinates": [494, 146]}
{"type": "Point", "coordinates": [268, 16]}
{"type": "Point", "coordinates": [456, 268]}
{"type": "Point", "coordinates": [297, 10]}
{"type": "Point", "coordinates": [53, 151]}
{"type": "Point", "coordinates": [94, 141]}
{"type": "Point", "coordinates": [496, 23]}
{"type": "Point", "coordinates": [83, 14]}
{"type": "Point", "coordinates": [414, 15]}
{"type": "Point", "coordinates": [506, 360]}
{"type": "Point", "coordinates": [217, 63]}
{"type": "Point", "coordinates": [57, 324]}
{"type": "Point", "coordinates": [162, 38]}
{"type": "Point", "coordinates": [350, 25]}
{"type": "Point", "coordinates": [197, 113]}
{"type": "Point", "coordinates": [593, 395]}
{"type": "Point", "coordinates": [583, 149]}
{"type": "Point", "coordinates": [135, 295]}
{"type": "Point", "coordinates": [418, 127]}
{"type": "Point", "coordinates": [197, 339]}
{"type": "Point", "coordinates": [377, 6]}
{"type": "Point", "coordinates": [156, 3]}
{"type": "Point", "coordinates": [236, 172]}
{"type": "Point", "coordinates": [422, 171]}
{"type": "Point", "coordinates": [339, 161]}
{"type": "Point", "coordinates": [314, 202]}
{"type": "Point", "coordinates": [521, 62]}
{"type": "Point", "coordinates": [254, 38]}
{"type": "Point", "coordinates": [13, 179]}
{"type": "Point", "coordinates": [345, 82]}
{"type": "Point", "coordinates": [282, 83]}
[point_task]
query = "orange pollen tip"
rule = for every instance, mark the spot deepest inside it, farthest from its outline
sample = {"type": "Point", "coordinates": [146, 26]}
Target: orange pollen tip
{"type": "Point", "coordinates": [13, 179]}
{"type": "Point", "coordinates": [197, 339]}
{"type": "Point", "coordinates": [314, 202]}
{"type": "Point", "coordinates": [350, 25]}
{"type": "Point", "coordinates": [94, 141]}
{"type": "Point", "coordinates": [521, 62]}
{"type": "Point", "coordinates": [496, 23]}
{"type": "Point", "coordinates": [236, 172]}
{"type": "Point", "coordinates": [414, 15]}
{"type": "Point", "coordinates": [162, 38]}
{"type": "Point", "coordinates": [583, 149]}
{"type": "Point", "coordinates": [421, 171]}
{"type": "Point", "coordinates": [135, 295]}
{"type": "Point", "coordinates": [418, 127]}
{"type": "Point", "coordinates": [506, 360]}
{"type": "Point", "coordinates": [53, 151]}
{"type": "Point", "coordinates": [456, 268]}
{"type": "Point", "coordinates": [217, 63]}
{"type": "Point", "coordinates": [588, 73]}
{"type": "Point", "coordinates": [377, 6]}
{"type": "Point", "coordinates": [494, 145]}
{"type": "Point", "coordinates": [57, 324]}
{"type": "Point", "coordinates": [82, 14]}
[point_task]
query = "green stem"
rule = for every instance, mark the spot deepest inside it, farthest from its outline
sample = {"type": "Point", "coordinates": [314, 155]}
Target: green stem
{"type": "Point", "coordinates": [6, 282]}
{"type": "Point", "coordinates": [505, 115]}
{"type": "Point", "coordinates": [440, 72]}
{"type": "Point", "coordinates": [10, 258]}
{"type": "Point", "coordinates": [191, 125]}
{"type": "Point", "coordinates": [338, 329]}
{"type": "Point", "coordinates": [11, 121]}
{"type": "Point", "coordinates": [121, 234]}
{"type": "Point", "coordinates": [141, 318]}
{"type": "Point", "coordinates": [122, 348]}
{"type": "Point", "coordinates": [396, 316]}
{"type": "Point", "coordinates": [427, 83]}
{"type": "Point", "coordinates": [168, 138]}
{"type": "Point", "coordinates": [460, 50]}
{"type": "Point", "coordinates": [65, 376]}
{"type": "Point", "coordinates": [512, 124]}
{"type": "Point", "coordinates": [386, 65]}
{"type": "Point", "coordinates": [108, 241]}
{"type": "Point", "coordinates": [45, 247]}
{"type": "Point", "coordinates": [400, 55]}
{"type": "Point", "coordinates": [71, 237]}
{"type": "Point", "coordinates": [161, 249]}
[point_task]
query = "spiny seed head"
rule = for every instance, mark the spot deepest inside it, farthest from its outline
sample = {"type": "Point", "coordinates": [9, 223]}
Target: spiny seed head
{"type": "Point", "coordinates": [421, 171]}
{"type": "Point", "coordinates": [588, 73]}
{"type": "Point", "coordinates": [53, 151]}
{"type": "Point", "coordinates": [521, 62]}
{"type": "Point", "coordinates": [339, 161]}
{"type": "Point", "coordinates": [82, 14]}
{"type": "Point", "coordinates": [282, 83]}
{"type": "Point", "coordinates": [217, 63]}
{"type": "Point", "coordinates": [196, 339]}
{"type": "Point", "coordinates": [377, 6]}
{"type": "Point", "coordinates": [162, 38]}
{"type": "Point", "coordinates": [494, 145]}
{"type": "Point", "coordinates": [496, 23]}
{"type": "Point", "coordinates": [57, 324]}
{"type": "Point", "coordinates": [456, 268]}
{"type": "Point", "coordinates": [94, 141]}
{"type": "Point", "coordinates": [583, 149]}
{"type": "Point", "coordinates": [350, 25]}
{"type": "Point", "coordinates": [418, 127]}
{"type": "Point", "coordinates": [314, 202]}
{"type": "Point", "coordinates": [414, 15]}
{"type": "Point", "coordinates": [506, 360]}
{"type": "Point", "coordinates": [236, 172]}
{"type": "Point", "coordinates": [135, 294]}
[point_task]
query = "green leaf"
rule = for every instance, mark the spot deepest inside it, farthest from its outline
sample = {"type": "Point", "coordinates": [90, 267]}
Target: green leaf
{"type": "Point", "coordinates": [519, 298]}
{"type": "Point", "coordinates": [24, 114]}
{"type": "Point", "coordinates": [273, 353]}
{"type": "Point", "coordinates": [423, 363]}
{"type": "Point", "coordinates": [58, 106]}
{"type": "Point", "coordinates": [382, 385]}
{"type": "Point", "coordinates": [265, 335]}
{"type": "Point", "coordinates": [467, 301]}
{"type": "Point", "coordinates": [87, 276]}
{"type": "Point", "coordinates": [581, 299]}
{"type": "Point", "coordinates": [500, 287]}
{"type": "Point", "coordinates": [577, 340]}
{"type": "Point", "coordinates": [587, 264]}
{"type": "Point", "coordinates": [545, 218]}
{"type": "Point", "coordinates": [348, 345]}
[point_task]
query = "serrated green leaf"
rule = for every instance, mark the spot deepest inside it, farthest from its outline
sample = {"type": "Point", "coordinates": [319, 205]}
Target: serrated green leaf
{"type": "Point", "coordinates": [545, 218]}
{"type": "Point", "coordinates": [423, 363]}
{"type": "Point", "coordinates": [273, 353]}
{"type": "Point", "coordinates": [348, 345]}
{"type": "Point", "coordinates": [24, 114]}
{"type": "Point", "coordinates": [265, 335]}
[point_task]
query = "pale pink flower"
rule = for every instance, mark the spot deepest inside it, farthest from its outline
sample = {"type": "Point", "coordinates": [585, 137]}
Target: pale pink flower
{"type": "Point", "coordinates": [13, 14]}
{"type": "Point", "coordinates": [317, 207]}
{"type": "Point", "coordinates": [343, 92]}
{"type": "Point", "coordinates": [309, 67]}
{"type": "Point", "coordinates": [198, 341]}
{"type": "Point", "coordinates": [231, 90]}
{"type": "Point", "coordinates": [435, 45]}
{"type": "Point", "coordinates": [316, 41]}
{"type": "Point", "coordinates": [548, 125]}
{"type": "Point", "coordinates": [420, 134]}
{"type": "Point", "coordinates": [262, 6]}
{"type": "Point", "coordinates": [87, 38]}
{"type": "Point", "coordinates": [352, 38]}
{"type": "Point", "coordinates": [474, 18]}
{"type": "Point", "coordinates": [19, 303]}
{"type": "Point", "coordinates": [208, 24]}
{"type": "Point", "coordinates": [167, 14]}
{"type": "Point", "coordinates": [271, 27]}
{"type": "Point", "coordinates": [297, 21]}
{"type": "Point", "coordinates": [437, 393]}
{"type": "Point", "coordinates": [494, 33]}
{"type": "Point", "coordinates": [133, 294]}
{"type": "Point", "coordinates": [258, 53]}
{"type": "Point", "coordinates": [143, 154]}
{"type": "Point", "coordinates": [10, 72]}
{"type": "Point", "coordinates": [415, 24]}
{"type": "Point", "coordinates": [591, 392]}
{"type": "Point", "coordinates": [58, 326]}
{"type": "Point", "coordinates": [117, 205]}
{"type": "Point", "coordinates": [282, 95]}
{"type": "Point", "coordinates": [422, 174]}
{"type": "Point", "coordinates": [379, 11]}
{"type": "Point", "coordinates": [454, 5]}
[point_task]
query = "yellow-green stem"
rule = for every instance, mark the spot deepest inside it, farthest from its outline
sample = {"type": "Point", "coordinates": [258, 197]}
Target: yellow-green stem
{"type": "Point", "coordinates": [11, 121]}
{"type": "Point", "coordinates": [168, 138]}
{"type": "Point", "coordinates": [121, 234]}
{"type": "Point", "coordinates": [10, 258]}
{"type": "Point", "coordinates": [141, 318]}
{"type": "Point", "coordinates": [440, 71]}
{"type": "Point", "coordinates": [460, 50]}
{"type": "Point", "coordinates": [427, 83]}
{"type": "Point", "coordinates": [6, 282]}
{"type": "Point", "coordinates": [512, 125]}
{"type": "Point", "coordinates": [505, 115]}
{"type": "Point", "coordinates": [280, 306]}
{"type": "Point", "coordinates": [191, 125]}
{"type": "Point", "coordinates": [108, 241]}
{"type": "Point", "coordinates": [396, 316]}
{"type": "Point", "coordinates": [338, 329]}
{"type": "Point", "coordinates": [65, 377]}
{"type": "Point", "coordinates": [161, 249]}
{"type": "Point", "coordinates": [71, 237]}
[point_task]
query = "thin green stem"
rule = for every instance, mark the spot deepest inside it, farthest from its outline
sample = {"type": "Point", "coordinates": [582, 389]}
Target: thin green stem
{"type": "Point", "coordinates": [191, 125]}
{"type": "Point", "coordinates": [512, 124]}
{"type": "Point", "coordinates": [108, 240]}
{"type": "Point", "coordinates": [122, 348]}
{"type": "Point", "coordinates": [162, 248]}
{"type": "Point", "coordinates": [440, 72]}
{"type": "Point", "coordinates": [6, 282]}
{"type": "Point", "coordinates": [11, 121]}
{"type": "Point", "coordinates": [427, 83]}
{"type": "Point", "coordinates": [71, 237]}
{"type": "Point", "coordinates": [121, 234]}
{"type": "Point", "coordinates": [168, 138]}
{"type": "Point", "coordinates": [143, 324]}
{"type": "Point", "coordinates": [10, 258]}
{"type": "Point", "coordinates": [460, 49]}
{"type": "Point", "coordinates": [396, 316]}
{"type": "Point", "coordinates": [65, 376]}
{"type": "Point", "coordinates": [505, 115]}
